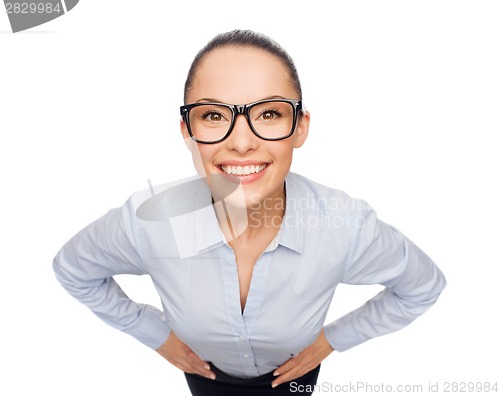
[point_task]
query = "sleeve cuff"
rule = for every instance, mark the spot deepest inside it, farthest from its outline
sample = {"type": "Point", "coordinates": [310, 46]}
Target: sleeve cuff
{"type": "Point", "coordinates": [341, 334]}
{"type": "Point", "coordinates": [153, 329]}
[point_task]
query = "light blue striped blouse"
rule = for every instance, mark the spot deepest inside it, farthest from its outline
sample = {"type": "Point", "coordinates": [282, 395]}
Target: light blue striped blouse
{"type": "Point", "coordinates": [326, 238]}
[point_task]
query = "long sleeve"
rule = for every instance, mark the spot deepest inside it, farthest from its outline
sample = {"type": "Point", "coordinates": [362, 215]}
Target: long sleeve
{"type": "Point", "coordinates": [85, 267]}
{"type": "Point", "coordinates": [380, 254]}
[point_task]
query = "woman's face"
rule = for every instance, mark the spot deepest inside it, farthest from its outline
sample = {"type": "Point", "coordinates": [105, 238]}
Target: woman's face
{"type": "Point", "coordinates": [240, 75]}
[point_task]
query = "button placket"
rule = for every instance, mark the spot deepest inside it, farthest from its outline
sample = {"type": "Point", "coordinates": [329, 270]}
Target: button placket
{"type": "Point", "coordinates": [232, 295]}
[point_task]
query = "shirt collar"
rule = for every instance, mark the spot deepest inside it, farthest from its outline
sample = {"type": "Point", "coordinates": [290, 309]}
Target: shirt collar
{"type": "Point", "coordinates": [290, 235]}
{"type": "Point", "coordinates": [292, 228]}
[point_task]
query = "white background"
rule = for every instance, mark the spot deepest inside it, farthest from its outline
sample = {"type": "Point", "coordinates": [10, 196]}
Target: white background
{"type": "Point", "coordinates": [405, 100]}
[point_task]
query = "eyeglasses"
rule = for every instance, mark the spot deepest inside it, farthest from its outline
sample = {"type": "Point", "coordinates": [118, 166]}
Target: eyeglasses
{"type": "Point", "coordinates": [269, 119]}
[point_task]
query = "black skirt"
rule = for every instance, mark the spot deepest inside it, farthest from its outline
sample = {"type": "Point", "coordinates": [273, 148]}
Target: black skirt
{"type": "Point", "coordinates": [225, 385]}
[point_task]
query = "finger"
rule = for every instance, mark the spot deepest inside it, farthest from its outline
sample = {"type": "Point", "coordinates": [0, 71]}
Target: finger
{"type": "Point", "coordinates": [288, 376]}
{"type": "Point", "coordinates": [288, 365]}
{"type": "Point", "coordinates": [195, 360]}
{"type": "Point", "coordinates": [191, 365]}
{"type": "Point", "coordinates": [203, 371]}
{"type": "Point", "coordinates": [200, 366]}
{"type": "Point", "coordinates": [207, 373]}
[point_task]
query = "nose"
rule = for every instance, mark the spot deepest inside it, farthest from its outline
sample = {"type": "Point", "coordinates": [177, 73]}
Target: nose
{"type": "Point", "coordinates": [242, 139]}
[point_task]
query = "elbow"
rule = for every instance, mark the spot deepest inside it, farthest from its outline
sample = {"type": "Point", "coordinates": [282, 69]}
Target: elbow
{"type": "Point", "coordinates": [424, 296]}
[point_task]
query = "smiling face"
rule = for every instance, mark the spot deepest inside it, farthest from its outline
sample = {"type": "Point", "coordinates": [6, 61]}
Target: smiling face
{"type": "Point", "coordinates": [241, 75]}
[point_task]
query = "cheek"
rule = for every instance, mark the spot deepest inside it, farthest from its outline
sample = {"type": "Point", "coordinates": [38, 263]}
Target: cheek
{"type": "Point", "coordinates": [283, 154]}
{"type": "Point", "coordinates": [202, 157]}
{"type": "Point", "coordinates": [198, 164]}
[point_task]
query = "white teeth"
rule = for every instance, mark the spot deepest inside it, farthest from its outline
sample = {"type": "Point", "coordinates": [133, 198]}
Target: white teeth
{"type": "Point", "coordinates": [242, 170]}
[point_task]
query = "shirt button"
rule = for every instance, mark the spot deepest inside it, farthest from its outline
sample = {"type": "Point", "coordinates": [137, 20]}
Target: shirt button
{"type": "Point", "coordinates": [242, 338]}
{"type": "Point", "coordinates": [245, 355]}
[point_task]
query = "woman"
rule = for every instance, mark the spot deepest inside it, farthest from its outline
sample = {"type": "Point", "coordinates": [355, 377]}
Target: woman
{"type": "Point", "coordinates": [247, 257]}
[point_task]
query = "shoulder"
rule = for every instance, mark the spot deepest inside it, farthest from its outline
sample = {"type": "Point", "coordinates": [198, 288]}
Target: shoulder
{"type": "Point", "coordinates": [310, 195]}
{"type": "Point", "coordinates": [148, 215]}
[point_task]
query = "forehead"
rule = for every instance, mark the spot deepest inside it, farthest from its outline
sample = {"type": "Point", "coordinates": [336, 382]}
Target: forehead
{"type": "Point", "coordinates": [240, 75]}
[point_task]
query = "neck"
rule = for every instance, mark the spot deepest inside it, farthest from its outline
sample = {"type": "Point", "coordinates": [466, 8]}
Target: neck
{"type": "Point", "coordinates": [244, 223]}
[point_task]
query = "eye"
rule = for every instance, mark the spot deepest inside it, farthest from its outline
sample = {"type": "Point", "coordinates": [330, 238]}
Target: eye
{"type": "Point", "coordinates": [213, 116]}
{"type": "Point", "coordinates": [270, 114]}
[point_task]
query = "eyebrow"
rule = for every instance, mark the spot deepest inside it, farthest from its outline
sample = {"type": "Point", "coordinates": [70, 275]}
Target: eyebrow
{"type": "Point", "coordinates": [202, 100]}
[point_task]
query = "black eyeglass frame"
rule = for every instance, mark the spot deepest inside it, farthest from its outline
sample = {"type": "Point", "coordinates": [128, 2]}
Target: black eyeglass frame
{"type": "Point", "coordinates": [241, 109]}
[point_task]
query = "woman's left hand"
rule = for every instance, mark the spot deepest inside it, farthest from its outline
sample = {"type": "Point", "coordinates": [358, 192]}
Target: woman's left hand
{"type": "Point", "coordinates": [307, 360]}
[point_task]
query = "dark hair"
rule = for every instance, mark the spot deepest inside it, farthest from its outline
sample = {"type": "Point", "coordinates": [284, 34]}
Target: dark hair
{"type": "Point", "coordinates": [241, 38]}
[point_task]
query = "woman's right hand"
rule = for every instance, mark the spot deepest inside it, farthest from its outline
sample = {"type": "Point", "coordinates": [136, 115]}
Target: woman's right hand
{"type": "Point", "coordinates": [183, 357]}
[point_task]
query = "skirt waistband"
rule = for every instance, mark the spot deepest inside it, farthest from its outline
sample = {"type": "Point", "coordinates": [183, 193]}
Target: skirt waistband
{"type": "Point", "coordinates": [266, 379]}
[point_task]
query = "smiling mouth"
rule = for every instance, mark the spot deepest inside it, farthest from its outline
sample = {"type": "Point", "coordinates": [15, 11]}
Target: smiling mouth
{"type": "Point", "coordinates": [239, 170]}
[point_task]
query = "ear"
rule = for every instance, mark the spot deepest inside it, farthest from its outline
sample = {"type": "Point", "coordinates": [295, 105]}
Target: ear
{"type": "Point", "coordinates": [302, 129]}
{"type": "Point", "coordinates": [185, 135]}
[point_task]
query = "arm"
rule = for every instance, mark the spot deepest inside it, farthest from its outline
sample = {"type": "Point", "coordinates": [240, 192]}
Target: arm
{"type": "Point", "coordinates": [85, 267]}
{"type": "Point", "coordinates": [380, 254]}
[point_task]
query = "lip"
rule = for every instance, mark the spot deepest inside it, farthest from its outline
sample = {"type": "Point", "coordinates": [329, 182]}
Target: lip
{"type": "Point", "coordinates": [243, 179]}
{"type": "Point", "coordinates": [242, 163]}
